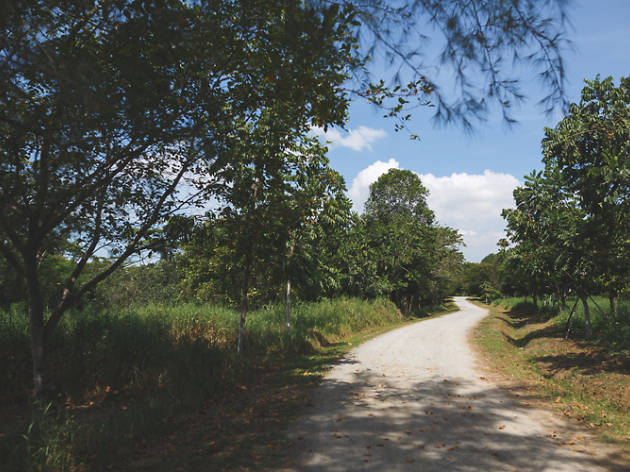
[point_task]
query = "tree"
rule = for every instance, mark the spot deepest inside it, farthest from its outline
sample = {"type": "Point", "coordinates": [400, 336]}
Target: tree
{"type": "Point", "coordinates": [398, 194]}
{"type": "Point", "coordinates": [555, 236]}
{"type": "Point", "coordinates": [408, 250]}
{"type": "Point", "coordinates": [591, 148]}
{"type": "Point", "coordinates": [478, 39]}
{"type": "Point", "coordinates": [106, 111]}
{"type": "Point", "coordinates": [282, 200]}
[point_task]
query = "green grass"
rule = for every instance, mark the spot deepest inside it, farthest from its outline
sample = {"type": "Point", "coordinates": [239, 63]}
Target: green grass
{"type": "Point", "coordinates": [126, 377]}
{"type": "Point", "coordinates": [586, 380]}
{"type": "Point", "coordinates": [610, 331]}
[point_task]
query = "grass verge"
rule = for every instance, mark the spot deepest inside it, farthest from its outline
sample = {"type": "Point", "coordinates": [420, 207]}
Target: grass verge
{"type": "Point", "coordinates": [584, 381]}
{"type": "Point", "coordinates": [160, 388]}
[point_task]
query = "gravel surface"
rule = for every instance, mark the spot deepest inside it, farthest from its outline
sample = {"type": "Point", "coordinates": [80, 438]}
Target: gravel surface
{"type": "Point", "coordinates": [414, 399]}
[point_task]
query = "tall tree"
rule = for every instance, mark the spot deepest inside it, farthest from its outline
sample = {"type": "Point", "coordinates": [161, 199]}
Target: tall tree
{"type": "Point", "coordinates": [404, 242]}
{"type": "Point", "coordinates": [105, 111]}
{"type": "Point", "coordinates": [591, 148]}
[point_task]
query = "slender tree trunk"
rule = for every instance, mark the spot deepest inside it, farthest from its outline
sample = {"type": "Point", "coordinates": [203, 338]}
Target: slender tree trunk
{"type": "Point", "coordinates": [37, 328]}
{"type": "Point", "coordinates": [244, 305]}
{"type": "Point", "coordinates": [588, 330]}
{"type": "Point", "coordinates": [567, 328]}
{"type": "Point", "coordinates": [288, 306]}
{"type": "Point", "coordinates": [535, 298]}
{"type": "Point", "coordinates": [613, 307]}
{"type": "Point", "coordinates": [601, 312]}
{"type": "Point", "coordinates": [562, 299]}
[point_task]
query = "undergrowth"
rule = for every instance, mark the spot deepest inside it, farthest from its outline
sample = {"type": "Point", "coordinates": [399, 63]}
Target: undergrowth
{"type": "Point", "coordinates": [121, 373]}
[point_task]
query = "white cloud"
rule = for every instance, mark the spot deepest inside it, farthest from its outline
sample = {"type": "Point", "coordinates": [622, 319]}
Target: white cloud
{"type": "Point", "coordinates": [360, 189]}
{"type": "Point", "coordinates": [357, 139]}
{"type": "Point", "coordinates": [471, 203]}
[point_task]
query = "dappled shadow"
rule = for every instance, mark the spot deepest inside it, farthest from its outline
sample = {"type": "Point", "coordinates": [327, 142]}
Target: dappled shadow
{"type": "Point", "coordinates": [593, 361]}
{"type": "Point", "coordinates": [375, 423]}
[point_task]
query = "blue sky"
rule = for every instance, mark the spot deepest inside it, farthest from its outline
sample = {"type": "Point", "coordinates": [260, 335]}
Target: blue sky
{"type": "Point", "coordinates": [471, 178]}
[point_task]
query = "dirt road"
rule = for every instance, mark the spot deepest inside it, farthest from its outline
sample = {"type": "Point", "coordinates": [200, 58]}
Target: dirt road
{"type": "Point", "coordinates": [414, 399]}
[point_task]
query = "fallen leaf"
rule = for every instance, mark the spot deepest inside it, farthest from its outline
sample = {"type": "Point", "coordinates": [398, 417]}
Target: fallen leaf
{"type": "Point", "coordinates": [502, 426]}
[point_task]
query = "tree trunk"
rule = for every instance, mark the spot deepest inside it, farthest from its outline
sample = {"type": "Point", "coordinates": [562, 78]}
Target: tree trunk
{"type": "Point", "coordinates": [241, 329]}
{"type": "Point", "coordinates": [288, 306]}
{"type": "Point", "coordinates": [535, 298]}
{"type": "Point", "coordinates": [588, 330]}
{"type": "Point", "coordinates": [36, 318]}
{"type": "Point", "coordinates": [562, 299]}
{"type": "Point", "coordinates": [567, 328]}
{"type": "Point", "coordinates": [613, 307]}
{"type": "Point", "coordinates": [37, 350]}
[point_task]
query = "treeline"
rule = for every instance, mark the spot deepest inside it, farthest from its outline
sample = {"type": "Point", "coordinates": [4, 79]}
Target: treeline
{"type": "Point", "coordinates": [569, 233]}
{"type": "Point", "coordinates": [287, 242]}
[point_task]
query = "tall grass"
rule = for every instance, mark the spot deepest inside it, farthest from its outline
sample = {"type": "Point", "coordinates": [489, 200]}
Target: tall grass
{"type": "Point", "coordinates": [121, 372]}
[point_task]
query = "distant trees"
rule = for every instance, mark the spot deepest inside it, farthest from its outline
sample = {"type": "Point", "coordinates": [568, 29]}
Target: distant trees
{"type": "Point", "coordinates": [401, 252]}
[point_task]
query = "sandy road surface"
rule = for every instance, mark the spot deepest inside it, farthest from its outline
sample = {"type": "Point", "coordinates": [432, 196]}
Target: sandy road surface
{"type": "Point", "coordinates": [413, 399]}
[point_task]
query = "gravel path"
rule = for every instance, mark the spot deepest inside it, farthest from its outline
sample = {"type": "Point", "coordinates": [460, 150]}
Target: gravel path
{"type": "Point", "coordinates": [413, 399]}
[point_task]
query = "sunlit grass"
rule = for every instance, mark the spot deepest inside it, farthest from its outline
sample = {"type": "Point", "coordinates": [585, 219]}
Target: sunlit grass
{"type": "Point", "coordinates": [612, 330]}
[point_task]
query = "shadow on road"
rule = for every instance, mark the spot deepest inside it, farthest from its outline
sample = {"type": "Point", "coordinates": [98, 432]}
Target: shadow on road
{"type": "Point", "coordinates": [436, 425]}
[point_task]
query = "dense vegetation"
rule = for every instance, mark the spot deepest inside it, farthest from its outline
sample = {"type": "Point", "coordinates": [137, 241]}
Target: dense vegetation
{"type": "Point", "coordinates": [118, 117]}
